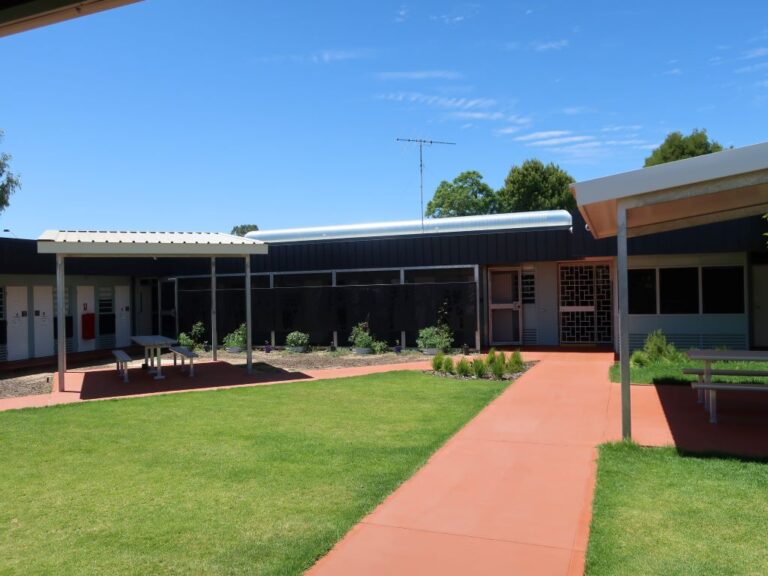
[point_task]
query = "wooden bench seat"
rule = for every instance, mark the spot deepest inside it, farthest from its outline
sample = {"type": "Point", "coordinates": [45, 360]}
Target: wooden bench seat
{"type": "Point", "coordinates": [186, 354]}
{"type": "Point", "coordinates": [122, 359]}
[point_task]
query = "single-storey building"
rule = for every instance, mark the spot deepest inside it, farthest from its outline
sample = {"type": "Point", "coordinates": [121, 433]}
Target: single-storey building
{"type": "Point", "coordinates": [528, 279]}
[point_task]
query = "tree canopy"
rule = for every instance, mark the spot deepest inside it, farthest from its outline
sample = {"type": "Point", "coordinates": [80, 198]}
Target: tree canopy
{"type": "Point", "coordinates": [243, 229]}
{"type": "Point", "coordinates": [536, 186]}
{"type": "Point", "coordinates": [9, 182]}
{"type": "Point", "coordinates": [678, 147]}
{"type": "Point", "coordinates": [465, 196]}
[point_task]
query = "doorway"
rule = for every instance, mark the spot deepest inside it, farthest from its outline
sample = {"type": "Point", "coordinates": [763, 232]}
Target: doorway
{"type": "Point", "coordinates": [760, 306]}
{"type": "Point", "coordinates": [505, 318]}
{"type": "Point", "coordinates": [586, 304]}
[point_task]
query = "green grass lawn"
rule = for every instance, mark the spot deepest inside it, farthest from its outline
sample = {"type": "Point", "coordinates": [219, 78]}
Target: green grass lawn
{"type": "Point", "coordinates": [672, 372]}
{"type": "Point", "coordinates": [657, 512]}
{"type": "Point", "coordinates": [242, 481]}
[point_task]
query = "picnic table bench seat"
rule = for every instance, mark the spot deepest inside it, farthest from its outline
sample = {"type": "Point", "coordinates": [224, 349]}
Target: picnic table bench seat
{"type": "Point", "coordinates": [122, 359]}
{"type": "Point", "coordinates": [186, 354]}
{"type": "Point", "coordinates": [707, 391]}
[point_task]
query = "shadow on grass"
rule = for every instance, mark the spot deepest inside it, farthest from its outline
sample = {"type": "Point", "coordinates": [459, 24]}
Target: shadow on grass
{"type": "Point", "coordinates": [108, 384]}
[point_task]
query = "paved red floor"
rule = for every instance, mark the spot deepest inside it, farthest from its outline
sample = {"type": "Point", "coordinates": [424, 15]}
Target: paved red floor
{"type": "Point", "coordinates": [511, 493]}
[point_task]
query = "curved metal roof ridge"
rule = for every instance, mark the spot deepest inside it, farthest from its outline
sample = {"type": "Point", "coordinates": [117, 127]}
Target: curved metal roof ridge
{"type": "Point", "coordinates": [540, 220]}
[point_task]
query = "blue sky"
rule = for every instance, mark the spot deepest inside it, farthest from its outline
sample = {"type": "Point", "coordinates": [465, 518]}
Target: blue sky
{"type": "Point", "coordinates": [171, 114]}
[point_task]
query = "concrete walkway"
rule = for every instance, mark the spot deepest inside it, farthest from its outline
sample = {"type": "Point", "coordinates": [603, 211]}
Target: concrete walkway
{"type": "Point", "coordinates": [511, 493]}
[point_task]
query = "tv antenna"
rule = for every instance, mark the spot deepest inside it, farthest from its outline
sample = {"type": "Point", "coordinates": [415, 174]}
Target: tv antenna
{"type": "Point", "coordinates": [421, 142]}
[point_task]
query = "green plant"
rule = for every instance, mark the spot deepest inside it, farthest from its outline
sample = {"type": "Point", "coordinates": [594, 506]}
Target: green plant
{"type": "Point", "coordinates": [479, 368]}
{"type": "Point", "coordinates": [297, 339]}
{"type": "Point", "coordinates": [448, 365]}
{"type": "Point", "coordinates": [185, 340]}
{"type": "Point", "coordinates": [491, 356]}
{"type": "Point", "coordinates": [463, 368]}
{"type": "Point", "coordinates": [237, 338]}
{"type": "Point", "coordinates": [197, 333]}
{"type": "Point", "coordinates": [657, 349]}
{"type": "Point", "coordinates": [435, 337]}
{"type": "Point", "coordinates": [379, 347]}
{"type": "Point", "coordinates": [437, 362]}
{"type": "Point", "coordinates": [515, 363]}
{"type": "Point", "coordinates": [497, 368]}
{"type": "Point", "coordinates": [361, 337]}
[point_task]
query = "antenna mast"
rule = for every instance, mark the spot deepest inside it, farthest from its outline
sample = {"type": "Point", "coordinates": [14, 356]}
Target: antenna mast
{"type": "Point", "coordinates": [421, 144]}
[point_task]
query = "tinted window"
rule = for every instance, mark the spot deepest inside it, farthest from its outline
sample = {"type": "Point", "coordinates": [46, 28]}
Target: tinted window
{"type": "Point", "coordinates": [642, 291]}
{"type": "Point", "coordinates": [679, 290]}
{"type": "Point", "coordinates": [302, 280]}
{"type": "Point", "coordinates": [439, 276]}
{"type": "Point", "coordinates": [368, 278]}
{"type": "Point", "coordinates": [723, 290]}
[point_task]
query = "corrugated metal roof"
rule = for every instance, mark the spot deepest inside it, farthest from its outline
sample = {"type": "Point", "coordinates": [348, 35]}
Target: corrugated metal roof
{"type": "Point", "coordinates": [149, 243]}
{"type": "Point", "coordinates": [542, 220]}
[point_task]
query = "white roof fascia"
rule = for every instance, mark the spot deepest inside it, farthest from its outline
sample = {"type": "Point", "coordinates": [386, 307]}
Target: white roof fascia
{"type": "Point", "coordinates": [146, 244]}
{"type": "Point", "coordinates": [713, 166]}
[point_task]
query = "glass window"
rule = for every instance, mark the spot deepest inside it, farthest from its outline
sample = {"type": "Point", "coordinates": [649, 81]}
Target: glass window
{"type": "Point", "coordinates": [529, 288]}
{"type": "Point", "coordinates": [723, 289]}
{"type": "Point", "coordinates": [642, 291]}
{"type": "Point", "coordinates": [439, 276]}
{"type": "Point", "coordinates": [367, 278]}
{"type": "Point", "coordinates": [679, 290]}
{"type": "Point", "coordinates": [302, 280]}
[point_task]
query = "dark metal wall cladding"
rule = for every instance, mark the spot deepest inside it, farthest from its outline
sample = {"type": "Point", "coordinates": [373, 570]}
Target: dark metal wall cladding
{"type": "Point", "coordinates": [744, 235]}
{"type": "Point", "coordinates": [389, 309]}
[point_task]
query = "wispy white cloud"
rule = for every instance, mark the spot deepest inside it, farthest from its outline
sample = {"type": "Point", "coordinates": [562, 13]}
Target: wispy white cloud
{"type": "Point", "coordinates": [672, 72]}
{"type": "Point", "coordinates": [402, 14]}
{"type": "Point", "coordinates": [752, 68]}
{"type": "Point", "coordinates": [439, 101]}
{"type": "Point", "coordinates": [575, 110]}
{"type": "Point", "coordinates": [509, 130]}
{"type": "Point", "coordinates": [621, 128]}
{"type": "Point", "coordinates": [559, 141]}
{"type": "Point", "coordinates": [548, 46]}
{"type": "Point", "coordinates": [420, 75]}
{"type": "Point", "coordinates": [479, 115]}
{"type": "Point", "coordinates": [321, 56]}
{"type": "Point", "coordinates": [756, 53]}
{"type": "Point", "coordinates": [542, 135]}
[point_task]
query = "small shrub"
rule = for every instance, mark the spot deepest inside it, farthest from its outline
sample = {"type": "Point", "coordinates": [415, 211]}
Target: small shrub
{"type": "Point", "coordinates": [360, 337]}
{"type": "Point", "coordinates": [448, 365]}
{"type": "Point", "coordinates": [491, 357]}
{"type": "Point", "coordinates": [437, 362]}
{"type": "Point", "coordinates": [185, 340]}
{"type": "Point", "coordinates": [463, 368]}
{"type": "Point", "coordinates": [515, 363]}
{"type": "Point", "coordinates": [497, 368]}
{"type": "Point", "coordinates": [198, 334]}
{"type": "Point", "coordinates": [297, 339]}
{"type": "Point", "coordinates": [435, 337]}
{"type": "Point", "coordinates": [236, 339]}
{"type": "Point", "coordinates": [379, 347]}
{"type": "Point", "coordinates": [639, 359]}
{"type": "Point", "coordinates": [479, 368]}
{"type": "Point", "coordinates": [658, 350]}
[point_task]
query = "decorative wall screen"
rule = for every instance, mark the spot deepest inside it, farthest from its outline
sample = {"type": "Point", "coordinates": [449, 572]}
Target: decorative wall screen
{"type": "Point", "coordinates": [586, 304]}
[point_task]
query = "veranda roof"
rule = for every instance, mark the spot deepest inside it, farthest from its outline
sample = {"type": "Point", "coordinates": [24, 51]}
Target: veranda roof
{"type": "Point", "coordinates": [136, 243]}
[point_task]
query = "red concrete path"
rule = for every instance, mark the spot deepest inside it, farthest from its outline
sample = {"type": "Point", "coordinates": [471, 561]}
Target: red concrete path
{"type": "Point", "coordinates": [509, 494]}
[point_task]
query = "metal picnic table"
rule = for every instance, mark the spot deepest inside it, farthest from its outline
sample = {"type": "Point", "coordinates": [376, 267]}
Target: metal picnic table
{"type": "Point", "coordinates": [153, 345]}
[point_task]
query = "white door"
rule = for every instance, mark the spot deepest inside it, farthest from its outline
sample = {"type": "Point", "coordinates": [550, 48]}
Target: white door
{"type": "Point", "coordinates": [85, 305]}
{"type": "Point", "coordinates": [760, 306]}
{"type": "Point", "coordinates": [17, 316]}
{"type": "Point", "coordinates": [42, 298]}
{"type": "Point", "coordinates": [123, 316]}
{"type": "Point", "coordinates": [504, 306]}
